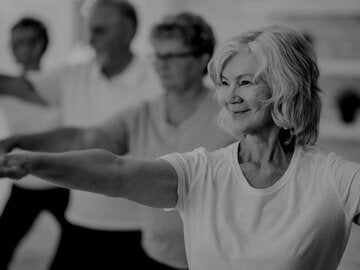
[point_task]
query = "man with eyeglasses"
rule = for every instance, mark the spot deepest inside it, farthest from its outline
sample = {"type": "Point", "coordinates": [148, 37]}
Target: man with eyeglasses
{"type": "Point", "coordinates": [179, 120]}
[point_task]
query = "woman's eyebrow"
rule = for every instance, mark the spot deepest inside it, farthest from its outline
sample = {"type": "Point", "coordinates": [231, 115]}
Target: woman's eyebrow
{"type": "Point", "coordinates": [244, 75]}
{"type": "Point", "coordinates": [239, 76]}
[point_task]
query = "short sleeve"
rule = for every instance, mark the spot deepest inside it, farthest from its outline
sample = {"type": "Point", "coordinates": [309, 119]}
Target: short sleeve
{"type": "Point", "coordinates": [346, 177]}
{"type": "Point", "coordinates": [189, 168]}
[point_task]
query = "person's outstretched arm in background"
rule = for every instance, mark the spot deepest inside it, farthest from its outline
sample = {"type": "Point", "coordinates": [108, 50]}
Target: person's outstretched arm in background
{"type": "Point", "coordinates": [19, 87]}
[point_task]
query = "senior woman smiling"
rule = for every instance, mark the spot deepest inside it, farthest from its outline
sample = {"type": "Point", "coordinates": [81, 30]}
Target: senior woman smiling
{"type": "Point", "coordinates": [268, 201]}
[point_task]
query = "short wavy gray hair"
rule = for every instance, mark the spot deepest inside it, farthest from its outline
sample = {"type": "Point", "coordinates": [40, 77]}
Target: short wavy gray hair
{"type": "Point", "coordinates": [288, 65]}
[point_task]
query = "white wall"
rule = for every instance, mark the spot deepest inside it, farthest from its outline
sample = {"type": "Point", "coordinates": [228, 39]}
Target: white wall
{"type": "Point", "coordinates": [228, 17]}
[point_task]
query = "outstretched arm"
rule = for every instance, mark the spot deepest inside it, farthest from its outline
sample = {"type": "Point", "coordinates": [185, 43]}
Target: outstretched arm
{"type": "Point", "coordinates": [153, 183]}
{"type": "Point", "coordinates": [20, 88]}
{"type": "Point", "coordinates": [64, 139]}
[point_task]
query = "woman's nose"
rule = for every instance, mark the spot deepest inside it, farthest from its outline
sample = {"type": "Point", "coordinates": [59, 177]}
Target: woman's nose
{"type": "Point", "coordinates": [233, 94]}
{"type": "Point", "coordinates": [235, 99]}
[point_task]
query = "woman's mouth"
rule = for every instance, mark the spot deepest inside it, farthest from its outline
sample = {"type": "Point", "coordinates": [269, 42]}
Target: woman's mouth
{"type": "Point", "coordinates": [237, 109]}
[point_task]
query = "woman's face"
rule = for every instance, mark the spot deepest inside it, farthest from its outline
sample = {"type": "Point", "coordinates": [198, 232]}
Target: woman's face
{"type": "Point", "coordinates": [176, 64]}
{"type": "Point", "coordinates": [241, 97]}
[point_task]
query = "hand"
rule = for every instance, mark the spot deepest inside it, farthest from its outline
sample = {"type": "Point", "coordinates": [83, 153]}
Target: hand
{"type": "Point", "coordinates": [14, 166]}
{"type": "Point", "coordinates": [7, 145]}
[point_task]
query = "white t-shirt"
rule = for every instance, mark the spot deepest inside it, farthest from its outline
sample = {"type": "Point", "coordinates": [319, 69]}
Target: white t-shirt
{"type": "Point", "coordinates": [26, 118]}
{"type": "Point", "coordinates": [344, 140]}
{"type": "Point", "coordinates": [86, 98]}
{"type": "Point", "coordinates": [301, 222]}
{"type": "Point", "coordinates": [150, 136]}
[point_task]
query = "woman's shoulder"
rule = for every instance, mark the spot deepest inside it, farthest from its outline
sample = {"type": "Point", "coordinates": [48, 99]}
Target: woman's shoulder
{"type": "Point", "coordinates": [319, 158]}
{"type": "Point", "coordinates": [311, 154]}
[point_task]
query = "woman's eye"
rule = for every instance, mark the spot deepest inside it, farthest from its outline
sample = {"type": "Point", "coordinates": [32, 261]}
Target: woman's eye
{"type": "Point", "coordinates": [245, 82]}
{"type": "Point", "coordinates": [224, 83]}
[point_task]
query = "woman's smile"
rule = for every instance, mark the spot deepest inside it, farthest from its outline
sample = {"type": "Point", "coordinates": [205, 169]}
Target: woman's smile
{"type": "Point", "coordinates": [237, 108]}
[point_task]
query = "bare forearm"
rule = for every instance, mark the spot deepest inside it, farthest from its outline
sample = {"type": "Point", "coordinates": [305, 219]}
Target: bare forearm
{"type": "Point", "coordinates": [89, 170]}
{"type": "Point", "coordinates": [152, 183]}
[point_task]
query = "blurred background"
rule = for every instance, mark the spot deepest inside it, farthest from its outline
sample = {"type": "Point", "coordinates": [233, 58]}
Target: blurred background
{"type": "Point", "coordinates": [333, 26]}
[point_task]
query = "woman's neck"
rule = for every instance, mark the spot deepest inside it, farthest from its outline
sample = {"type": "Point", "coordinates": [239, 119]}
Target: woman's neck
{"type": "Point", "coordinates": [265, 148]}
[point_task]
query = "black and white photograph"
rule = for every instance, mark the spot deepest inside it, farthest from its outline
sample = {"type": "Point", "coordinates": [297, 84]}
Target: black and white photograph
{"type": "Point", "coordinates": [180, 134]}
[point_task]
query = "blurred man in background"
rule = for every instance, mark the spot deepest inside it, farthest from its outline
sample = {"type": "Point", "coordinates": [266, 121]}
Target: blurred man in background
{"type": "Point", "coordinates": [86, 94]}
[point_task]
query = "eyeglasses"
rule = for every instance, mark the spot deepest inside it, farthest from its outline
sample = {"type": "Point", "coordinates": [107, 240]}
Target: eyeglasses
{"type": "Point", "coordinates": [171, 56]}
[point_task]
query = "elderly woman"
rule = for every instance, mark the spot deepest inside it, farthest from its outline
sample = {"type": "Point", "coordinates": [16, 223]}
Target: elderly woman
{"type": "Point", "coordinates": [268, 201]}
